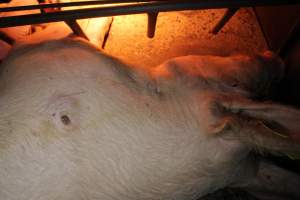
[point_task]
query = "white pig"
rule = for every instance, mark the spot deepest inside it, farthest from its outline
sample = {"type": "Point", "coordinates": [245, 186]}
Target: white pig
{"type": "Point", "coordinates": [77, 124]}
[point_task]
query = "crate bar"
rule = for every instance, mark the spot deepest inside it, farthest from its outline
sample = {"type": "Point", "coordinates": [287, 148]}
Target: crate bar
{"type": "Point", "coordinates": [69, 4]}
{"type": "Point", "coordinates": [103, 2]}
{"type": "Point", "coordinates": [159, 6]}
{"type": "Point", "coordinates": [226, 17]}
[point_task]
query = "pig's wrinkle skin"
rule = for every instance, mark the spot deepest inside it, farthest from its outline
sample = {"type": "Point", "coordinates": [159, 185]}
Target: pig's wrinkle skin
{"type": "Point", "coordinates": [251, 76]}
{"type": "Point", "coordinates": [123, 140]}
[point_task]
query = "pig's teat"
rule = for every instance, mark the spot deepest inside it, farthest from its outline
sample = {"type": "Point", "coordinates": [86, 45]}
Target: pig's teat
{"type": "Point", "coordinates": [65, 120]}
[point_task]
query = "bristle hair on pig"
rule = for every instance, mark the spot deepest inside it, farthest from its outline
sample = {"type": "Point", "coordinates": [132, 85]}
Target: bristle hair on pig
{"type": "Point", "coordinates": [78, 124]}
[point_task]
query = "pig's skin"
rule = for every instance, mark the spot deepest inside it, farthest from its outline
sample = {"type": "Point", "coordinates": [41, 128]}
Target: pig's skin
{"type": "Point", "coordinates": [252, 76]}
{"type": "Point", "coordinates": [125, 139]}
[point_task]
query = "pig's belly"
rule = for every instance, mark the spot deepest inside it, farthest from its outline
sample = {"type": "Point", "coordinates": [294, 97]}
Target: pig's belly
{"type": "Point", "coordinates": [145, 153]}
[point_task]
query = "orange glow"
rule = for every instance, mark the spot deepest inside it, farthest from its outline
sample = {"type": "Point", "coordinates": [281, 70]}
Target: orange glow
{"type": "Point", "coordinates": [177, 34]}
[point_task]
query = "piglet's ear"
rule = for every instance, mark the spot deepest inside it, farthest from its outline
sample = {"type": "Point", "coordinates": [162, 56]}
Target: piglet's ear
{"type": "Point", "coordinates": [262, 126]}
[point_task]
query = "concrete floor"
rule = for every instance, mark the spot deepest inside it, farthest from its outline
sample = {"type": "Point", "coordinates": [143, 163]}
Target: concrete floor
{"type": "Point", "coordinates": [183, 33]}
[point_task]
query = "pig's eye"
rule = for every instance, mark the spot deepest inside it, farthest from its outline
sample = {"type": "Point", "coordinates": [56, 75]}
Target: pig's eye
{"type": "Point", "coordinates": [65, 120]}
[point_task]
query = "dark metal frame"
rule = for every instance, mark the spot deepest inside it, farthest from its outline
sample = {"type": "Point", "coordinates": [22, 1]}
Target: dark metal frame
{"type": "Point", "coordinates": [226, 17]}
{"type": "Point", "coordinates": [105, 8]}
{"type": "Point", "coordinates": [135, 7]}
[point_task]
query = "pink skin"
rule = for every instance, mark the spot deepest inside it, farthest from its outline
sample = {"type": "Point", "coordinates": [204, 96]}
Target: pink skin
{"type": "Point", "coordinates": [88, 125]}
{"type": "Point", "coordinates": [232, 82]}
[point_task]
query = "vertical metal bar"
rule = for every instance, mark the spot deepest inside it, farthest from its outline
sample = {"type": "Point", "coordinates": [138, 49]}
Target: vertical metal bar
{"type": "Point", "coordinates": [75, 27]}
{"type": "Point", "coordinates": [107, 34]}
{"type": "Point", "coordinates": [152, 19]}
{"type": "Point", "coordinates": [262, 28]}
{"type": "Point", "coordinates": [226, 17]}
{"type": "Point", "coordinates": [291, 42]}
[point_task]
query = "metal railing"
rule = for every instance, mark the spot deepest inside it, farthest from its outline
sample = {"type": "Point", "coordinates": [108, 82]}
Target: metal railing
{"type": "Point", "coordinates": [118, 7]}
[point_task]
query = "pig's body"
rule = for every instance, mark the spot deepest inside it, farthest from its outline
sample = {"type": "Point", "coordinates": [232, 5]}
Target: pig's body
{"type": "Point", "coordinates": [76, 124]}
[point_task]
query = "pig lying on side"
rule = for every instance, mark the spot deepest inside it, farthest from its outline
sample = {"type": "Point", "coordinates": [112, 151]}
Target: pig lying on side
{"type": "Point", "coordinates": [77, 124]}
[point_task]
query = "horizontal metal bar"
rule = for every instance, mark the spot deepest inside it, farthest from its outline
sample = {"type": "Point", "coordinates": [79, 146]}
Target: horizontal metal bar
{"type": "Point", "coordinates": [67, 4]}
{"type": "Point", "coordinates": [160, 6]}
{"type": "Point", "coordinates": [5, 1]}
{"type": "Point", "coordinates": [103, 2]}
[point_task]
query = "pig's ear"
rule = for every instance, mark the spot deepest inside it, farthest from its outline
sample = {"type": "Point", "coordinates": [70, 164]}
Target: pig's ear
{"type": "Point", "coordinates": [264, 127]}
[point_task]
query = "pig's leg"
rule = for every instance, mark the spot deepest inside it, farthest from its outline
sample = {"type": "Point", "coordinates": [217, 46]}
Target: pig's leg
{"type": "Point", "coordinates": [262, 126]}
{"type": "Point", "coordinates": [272, 182]}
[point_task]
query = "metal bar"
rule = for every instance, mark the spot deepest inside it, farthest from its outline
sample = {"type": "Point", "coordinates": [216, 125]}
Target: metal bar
{"type": "Point", "coordinates": [291, 42]}
{"type": "Point", "coordinates": [5, 1]}
{"type": "Point", "coordinates": [68, 4]}
{"type": "Point", "coordinates": [107, 35]}
{"type": "Point", "coordinates": [229, 3]}
{"type": "Point", "coordinates": [152, 18]}
{"type": "Point", "coordinates": [262, 28]}
{"type": "Point", "coordinates": [74, 26]}
{"type": "Point", "coordinates": [162, 6]}
{"type": "Point", "coordinates": [226, 17]}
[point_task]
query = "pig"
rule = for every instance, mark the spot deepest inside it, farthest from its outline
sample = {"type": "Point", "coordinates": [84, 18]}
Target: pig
{"type": "Point", "coordinates": [79, 124]}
